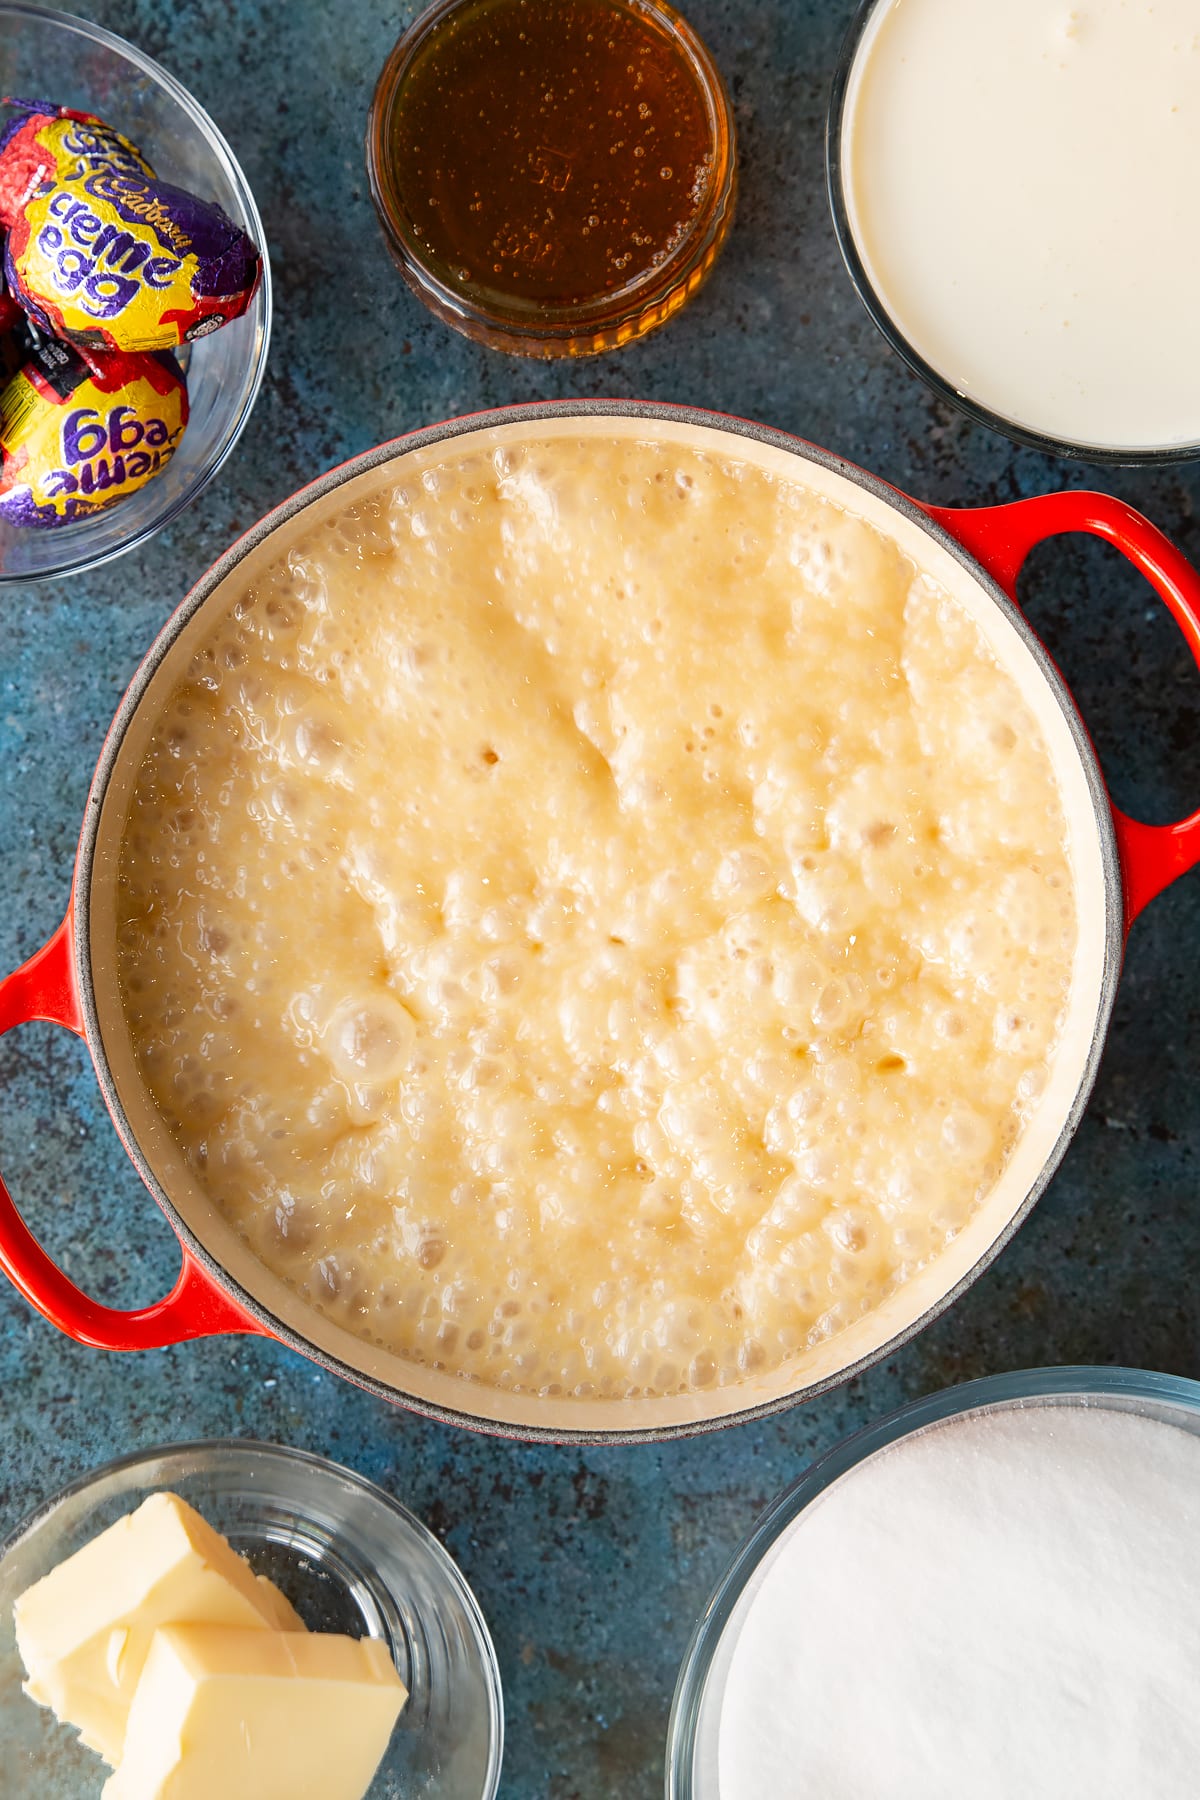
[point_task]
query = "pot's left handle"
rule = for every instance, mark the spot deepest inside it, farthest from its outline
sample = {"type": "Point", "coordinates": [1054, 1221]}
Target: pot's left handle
{"type": "Point", "coordinates": [1001, 537]}
{"type": "Point", "coordinates": [45, 988]}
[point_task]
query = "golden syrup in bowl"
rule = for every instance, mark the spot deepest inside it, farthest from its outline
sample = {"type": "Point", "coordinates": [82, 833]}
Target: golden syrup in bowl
{"type": "Point", "coordinates": [553, 176]}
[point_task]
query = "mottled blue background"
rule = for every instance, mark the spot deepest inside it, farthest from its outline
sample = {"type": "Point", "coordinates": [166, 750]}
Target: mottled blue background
{"type": "Point", "coordinates": [590, 1565]}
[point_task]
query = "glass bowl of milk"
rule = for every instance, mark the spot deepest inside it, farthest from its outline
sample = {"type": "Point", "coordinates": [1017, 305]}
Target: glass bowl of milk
{"type": "Point", "coordinates": [1013, 189]}
{"type": "Point", "coordinates": [994, 1592]}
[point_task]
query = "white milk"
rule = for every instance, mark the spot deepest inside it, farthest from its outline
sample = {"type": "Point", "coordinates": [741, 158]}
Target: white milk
{"type": "Point", "coordinates": [1021, 178]}
{"type": "Point", "coordinates": [1005, 1605]}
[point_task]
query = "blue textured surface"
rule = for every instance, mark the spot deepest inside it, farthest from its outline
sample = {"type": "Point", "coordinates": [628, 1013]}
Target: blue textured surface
{"type": "Point", "coordinates": [591, 1566]}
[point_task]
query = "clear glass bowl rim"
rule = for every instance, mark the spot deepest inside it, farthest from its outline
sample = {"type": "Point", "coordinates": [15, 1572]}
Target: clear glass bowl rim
{"type": "Point", "coordinates": [1108, 456]}
{"type": "Point", "coordinates": [603, 314]}
{"type": "Point", "coordinates": [119, 46]}
{"type": "Point", "coordinates": [203, 1447]}
{"type": "Point", "coordinates": [1070, 1382]}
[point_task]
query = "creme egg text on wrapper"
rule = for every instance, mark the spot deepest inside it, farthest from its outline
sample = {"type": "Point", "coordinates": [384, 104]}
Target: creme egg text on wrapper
{"type": "Point", "coordinates": [101, 252]}
{"type": "Point", "coordinates": [81, 429]}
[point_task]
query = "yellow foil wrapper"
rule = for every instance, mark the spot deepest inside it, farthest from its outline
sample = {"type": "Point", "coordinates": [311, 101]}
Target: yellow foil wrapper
{"type": "Point", "coordinates": [79, 430]}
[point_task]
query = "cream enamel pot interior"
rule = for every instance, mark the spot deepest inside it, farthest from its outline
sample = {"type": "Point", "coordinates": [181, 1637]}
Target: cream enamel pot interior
{"type": "Point", "coordinates": [1118, 866]}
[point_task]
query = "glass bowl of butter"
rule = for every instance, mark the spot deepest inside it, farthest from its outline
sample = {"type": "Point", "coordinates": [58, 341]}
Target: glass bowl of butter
{"type": "Point", "coordinates": [153, 1638]}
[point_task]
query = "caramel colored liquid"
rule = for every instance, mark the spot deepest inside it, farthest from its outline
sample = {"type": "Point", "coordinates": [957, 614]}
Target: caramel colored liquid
{"type": "Point", "coordinates": [551, 151]}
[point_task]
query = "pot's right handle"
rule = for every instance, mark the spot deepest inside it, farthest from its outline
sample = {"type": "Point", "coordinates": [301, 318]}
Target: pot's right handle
{"type": "Point", "coordinates": [45, 988]}
{"type": "Point", "coordinates": [1001, 537]}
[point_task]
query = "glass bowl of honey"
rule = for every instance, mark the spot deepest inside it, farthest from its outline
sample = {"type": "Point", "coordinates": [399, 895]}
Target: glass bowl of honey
{"type": "Point", "coordinates": [553, 177]}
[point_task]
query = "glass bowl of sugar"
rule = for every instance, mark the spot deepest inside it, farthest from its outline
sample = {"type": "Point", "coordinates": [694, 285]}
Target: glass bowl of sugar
{"type": "Point", "coordinates": [995, 1591]}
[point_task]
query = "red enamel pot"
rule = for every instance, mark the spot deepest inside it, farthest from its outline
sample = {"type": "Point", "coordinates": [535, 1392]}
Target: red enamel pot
{"type": "Point", "coordinates": [1119, 865]}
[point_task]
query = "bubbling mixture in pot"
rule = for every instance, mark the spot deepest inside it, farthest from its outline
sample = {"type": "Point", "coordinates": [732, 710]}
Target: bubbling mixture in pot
{"type": "Point", "coordinates": [596, 917]}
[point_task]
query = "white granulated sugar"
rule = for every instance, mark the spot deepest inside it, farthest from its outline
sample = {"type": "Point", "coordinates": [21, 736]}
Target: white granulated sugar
{"type": "Point", "coordinates": [1006, 1605]}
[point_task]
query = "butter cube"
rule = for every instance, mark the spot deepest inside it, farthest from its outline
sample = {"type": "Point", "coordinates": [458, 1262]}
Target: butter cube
{"type": "Point", "coordinates": [84, 1630]}
{"type": "Point", "coordinates": [257, 1715]}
